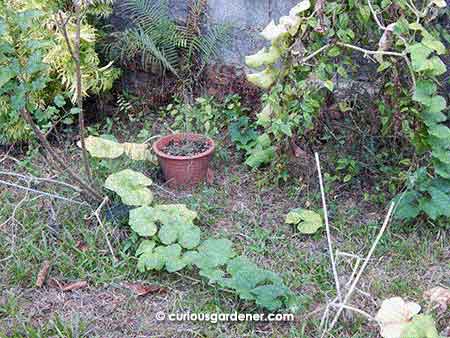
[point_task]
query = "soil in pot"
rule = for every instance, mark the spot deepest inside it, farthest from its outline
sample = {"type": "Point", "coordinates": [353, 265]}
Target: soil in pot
{"type": "Point", "coordinates": [186, 147]}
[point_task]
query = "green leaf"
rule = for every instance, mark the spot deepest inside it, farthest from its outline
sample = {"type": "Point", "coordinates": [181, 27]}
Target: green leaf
{"type": "Point", "coordinates": [213, 253]}
{"type": "Point", "coordinates": [437, 104]}
{"type": "Point", "coordinates": [439, 131]}
{"type": "Point", "coordinates": [260, 156]}
{"type": "Point", "coordinates": [177, 225]}
{"type": "Point", "coordinates": [131, 187]}
{"type": "Point", "coordinates": [407, 207]}
{"type": "Point", "coordinates": [268, 296]}
{"type": "Point", "coordinates": [59, 101]}
{"type": "Point", "coordinates": [151, 258]}
{"type": "Point", "coordinates": [419, 57]}
{"type": "Point", "coordinates": [307, 221]}
{"type": "Point", "coordinates": [142, 220]}
{"type": "Point", "coordinates": [424, 92]}
{"type": "Point", "coordinates": [437, 206]}
{"type": "Point", "coordinates": [334, 51]}
{"type": "Point", "coordinates": [422, 326]}
{"type": "Point", "coordinates": [436, 66]}
{"type": "Point", "coordinates": [434, 44]}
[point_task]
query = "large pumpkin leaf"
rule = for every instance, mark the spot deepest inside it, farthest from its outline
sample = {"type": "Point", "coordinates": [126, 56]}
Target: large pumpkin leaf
{"type": "Point", "coordinates": [131, 186]}
{"type": "Point", "coordinates": [142, 220]}
{"type": "Point", "coordinates": [177, 225]}
{"type": "Point", "coordinates": [307, 221]}
{"type": "Point", "coordinates": [151, 258]}
{"type": "Point", "coordinates": [213, 253]}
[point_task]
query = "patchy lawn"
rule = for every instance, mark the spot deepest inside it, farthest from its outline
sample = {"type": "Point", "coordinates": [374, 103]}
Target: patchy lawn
{"type": "Point", "coordinates": [239, 206]}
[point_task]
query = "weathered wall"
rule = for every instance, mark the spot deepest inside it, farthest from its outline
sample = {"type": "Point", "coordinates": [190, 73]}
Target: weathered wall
{"type": "Point", "coordinates": [246, 17]}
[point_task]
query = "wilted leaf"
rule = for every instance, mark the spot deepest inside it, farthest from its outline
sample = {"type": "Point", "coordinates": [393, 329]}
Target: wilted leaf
{"type": "Point", "coordinates": [43, 273]}
{"type": "Point", "coordinates": [439, 296]}
{"type": "Point", "coordinates": [299, 8]}
{"type": "Point", "coordinates": [263, 79]}
{"type": "Point", "coordinates": [291, 23]}
{"type": "Point", "coordinates": [307, 221]}
{"type": "Point", "coordinates": [74, 286]}
{"type": "Point", "coordinates": [131, 187]}
{"type": "Point", "coordinates": [136, 151]}
{"type": "Point", "coordinates": [263, 57]}
{"type": "Point", "coordinates": [141, 289]}
{"type": "Point", "coordinates": [273, 32]}
{"type": "Point", "coordinates": [440, 3]}
{"type": "Point", "coordinates": [394, 315]}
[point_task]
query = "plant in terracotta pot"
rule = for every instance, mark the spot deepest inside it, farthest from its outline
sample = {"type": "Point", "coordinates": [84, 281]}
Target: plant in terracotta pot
{"type": "Point", "coordinates": [184, 158]}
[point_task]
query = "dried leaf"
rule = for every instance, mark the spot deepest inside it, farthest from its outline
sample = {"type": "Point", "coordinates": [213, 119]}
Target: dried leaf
{"type": "Point", "coordinates": [74, 286]}
{"type": "Point", "coordinates": [394, 316]}
{"type": "Point", "coordinates": [54, 283]}
{"type": "Point", "coordinates": [43, 273]}
{"type": "Point", "coordinates": [439, 296]}
{"type": "Point", "coordinates": [210, 176]}
{"type": "Point", "coordinates": [81, 245]}
{"type": "Point", "coordinates": [144, 289]}
{"type": "Point", "coordinates": [385, 41]}
{"type": "Point", "coordinates": [136, 151]}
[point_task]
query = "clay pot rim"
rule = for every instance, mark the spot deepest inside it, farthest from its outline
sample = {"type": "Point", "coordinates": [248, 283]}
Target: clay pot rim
{"type": "Point", "coordinates": [161, 154]}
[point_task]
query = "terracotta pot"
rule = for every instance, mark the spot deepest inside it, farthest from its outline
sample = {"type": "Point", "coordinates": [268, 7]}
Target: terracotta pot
{"type": "Point", "coordinates": [183, 171]}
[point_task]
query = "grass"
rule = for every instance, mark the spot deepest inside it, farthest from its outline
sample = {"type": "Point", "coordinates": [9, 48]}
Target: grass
{"type": "Point", "coordinates": [405, 264]}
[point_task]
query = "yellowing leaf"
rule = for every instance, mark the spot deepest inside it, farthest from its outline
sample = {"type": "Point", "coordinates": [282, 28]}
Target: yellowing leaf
{"type": "Point", "coordinates": [263, 79]}
{"type": "Point", "coordinates": [292, 23]}
{"type": "Point", "coordinates": [422, 326]}
{"type": "Point", "coordinates": [299, 8]}
{"type": "Point", "coordinates": [273, 32]}
{"type": "Point", "coordinates": [440, 3]}
{"type": "Point", "coordinates": [394, 316]}
{"type": "Point", "coordinates": [102, 148]}
{"type": "Point", "coordinates": [263, 57]}
{"type": "Point", "coordinates": [136, 151]}
{"type": "Point", "coordinates": [264, 117]}
{"type": "Point", "coordinates": [131, 186]}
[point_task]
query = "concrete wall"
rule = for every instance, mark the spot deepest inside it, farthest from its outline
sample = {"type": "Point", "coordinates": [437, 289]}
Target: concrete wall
{"type": "Point", "coordinates": [246, 17]}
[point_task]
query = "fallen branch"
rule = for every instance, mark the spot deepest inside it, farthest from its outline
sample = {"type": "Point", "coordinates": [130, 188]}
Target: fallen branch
{"type": "Point", "coordinates": [40, 192]}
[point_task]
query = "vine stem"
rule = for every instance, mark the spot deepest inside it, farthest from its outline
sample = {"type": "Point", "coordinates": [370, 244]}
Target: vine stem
{"type": "Point", "coordinates": [327, 227]}
{"type": "Point", "coordinates": [321, 49]}
{"type": "Point", "coordinates": [371, 52]}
